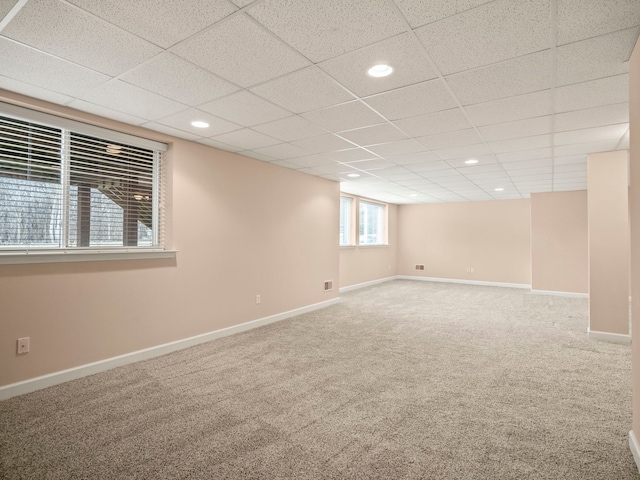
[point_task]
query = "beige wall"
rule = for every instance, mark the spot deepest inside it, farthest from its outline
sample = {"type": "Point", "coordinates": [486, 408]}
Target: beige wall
{"type": "Point", "coordinates": [608, 213]}
{"type": "Point", "coordinates": [634, 203]}
{"type": "Point", "coordinates": [365, 264]}
{"type": "Point", "coordinates": [491, 237]}
{"type": "Point", "coordinates": [241, 227]}
{"type": "Point", "coordinates": [559, 242]}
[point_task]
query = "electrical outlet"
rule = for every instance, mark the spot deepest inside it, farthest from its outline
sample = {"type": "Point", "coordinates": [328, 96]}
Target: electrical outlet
{"type": "Point", "coordinates": [257, 299]}
{"type": "Point", "coordinates": [23, 345]}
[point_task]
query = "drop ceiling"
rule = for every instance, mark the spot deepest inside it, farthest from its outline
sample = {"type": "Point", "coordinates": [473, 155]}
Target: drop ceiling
{"type": "Point", "coordinates": [528, 88]}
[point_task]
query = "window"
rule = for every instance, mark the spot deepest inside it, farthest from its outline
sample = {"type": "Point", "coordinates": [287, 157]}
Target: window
{"type": "Point", "coordinates": [67, 188]}
{"type": "Point", "coordinates": [372, 219]}
{"type": "Point", "coordinates": [346, 229]}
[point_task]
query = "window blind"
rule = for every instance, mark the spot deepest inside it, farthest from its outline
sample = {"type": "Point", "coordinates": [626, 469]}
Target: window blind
{"type": "Point", "coordinates": [345, 220]}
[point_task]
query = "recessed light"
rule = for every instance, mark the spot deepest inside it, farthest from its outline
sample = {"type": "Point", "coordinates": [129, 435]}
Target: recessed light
{"type": "Point", "coordinates": [471, 161]}
{"type": "Point", "coordinates": [200, 124]}
{"type": "Point", "coordinates": [138, 197]}
{"type": "Point", "coordinates": [353, 175]}
{"type": "Point", "coordinates": [499, 189]}
{"type": "Point", "coordinates": [381, 70]}
{"type": "Point", "coordinates": [413, 195]}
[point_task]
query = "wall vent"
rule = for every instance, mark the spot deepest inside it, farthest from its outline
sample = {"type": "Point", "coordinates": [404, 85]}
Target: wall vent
{"type": "Point", "coordinates": [328, 285]}
{"type": "Point", "coordinates": [419, 267]}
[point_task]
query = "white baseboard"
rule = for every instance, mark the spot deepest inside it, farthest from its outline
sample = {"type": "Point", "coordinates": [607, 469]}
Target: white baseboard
{"type": "Point", "coordinates": [466, 282]}
{"type": "Point", "coordinates": [635, 449]}
{"type": "Point", "coordinates": [367, 284]}
{"type": "Point", "coordinates": [38, 383]}
{"type": "Point", "coordinates": [609, 337]}
{"type": "Point", "coordinates": [560, 294]}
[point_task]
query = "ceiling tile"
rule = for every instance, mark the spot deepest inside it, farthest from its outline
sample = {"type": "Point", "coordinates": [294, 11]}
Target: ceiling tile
{"type": "Point", "coordinates": [591, 147]}
{"type": "Point", "coordinates": [482, 160]}
{"type": "Point", "coordinates": [595, 93]}
{"type": "Point", "coordinates": [526, 172]}
{"type": "Point", "coordinates": [145, 17]}
{"type": "Point", "coordinates": [428, 166]}
{"type": "Point", "coordinates": [45, 71]}
{"type": "Point", "coordinates": [219, 145]}
{"type": "Point", "coordinates": [509, 109]}
{"type": "Point", "coordinates": [323, 144]}
{"type": "Point", "coordinates": [167, 75]}
{"type": "Point", "coordinates": [518, 128]}
{"type": "Point", "coordinates": [592, 117]}
{"type": "Point", "coordinates": [311, 161]}
{"type": "Point", "coordinates": [23, 88]}
{"type": "Point", "coordinates": [335, 168]}
{"type": "Point", "coordinates": [62, 30]}
{"type": "Point", "coordinates": [106, 112]}
{"type": "Point", "coordinates": [574, 167]}
{"type": "Point", "coordinates": [487, 34]}
{"type": "Point", "coordinates": [450, 139]}
{"type": "Point", "coordinates": [435, 174]}
{"type": "Point", "coordinates": [517, 76]}
{"type": "Point", "coordinates": [578, 19]}
{"type": "Point", "coordinates": [290, 129]}
{"type": "Point", "coordinates": [343, 25]}
{"type": "Point", "coordinates": [246, 139]}
{"type": "Point", "coordinates": [242, 3]}
{"type": "Point", "coordinates": [256, 156]}
{"type": "Point", "coordinates": [542, 162]}
{"type": "Point", "coordinates": [422, 12]}
{"type": "Point", "coordinates": [519, 144]}
{"type": "Point", "coordinates": [611, 132]}
{"type": "Point", "coordinates": [432, 123]}
{"type": "Point", "coordinates": [390, 171]}
{"type": "Point", "coordinates": [396, 148]}
{"type": "Point", "coordinates": [412, 158]}
{"type": "Point", "coordinates": [570, 159]}
{"type": "Point", "coordinates": [282, 151]}
{"type": "Point", "coordinates": [345, 116]}
{"type": "Point", "coordinates": [594, 58]}
{"type": "Point", "coordinates": [245, 108]}
{"type": "Point", "coordinates": [132, 100]}
{"type": "Point", "coordinates": [351, 155]}
{"type": "Point", "coordinates": [158, 127]}
{"type": "Point", "coordinates": [6, 6]}
{"type": "Point", "coordinates": [242, 52]}
{"type": "Point", "coordinates": [285, 164]}
{"type": "Point", "coordinates": [403, 53]}
{"type": "Point", "coordinates": [425, 97]}
{"type": "Point", "coordinates": [182, 121]}
{"type": "Point", "coordinates": [305, 90]}
{"type": "Point", "coordinates": [476, 169]}
{"type": "Point", "coordinates": [467, 151]}
{"type": "Point", "coordinates": [525, 155]}
{"type": "Point", "coordinates": [382, 133]}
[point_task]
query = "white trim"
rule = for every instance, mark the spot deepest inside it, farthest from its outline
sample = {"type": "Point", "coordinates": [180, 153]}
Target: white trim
{"type": "Point", "coordinates": [79, 255]}
{"type": "Point", "coordinates": [367, 284]}
{"type": "Point", "coordinates": [33, 384]}
{"type": "Point", "coordinates": [560, 294]}
{"type": "Point", "coordinates": [635, 448]}
{"type": "Point", "coordinates": [466, 282]}
{"type": "Point", "coordinates": [609, 337]}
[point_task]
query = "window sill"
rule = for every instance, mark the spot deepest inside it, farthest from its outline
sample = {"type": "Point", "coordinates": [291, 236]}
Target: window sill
{"type": "Point", "coordinates": [20, 257]}
{"type": "Point", "coordinates": [348, 246]}
{"type": "Point", "coordinates": [381, 245]}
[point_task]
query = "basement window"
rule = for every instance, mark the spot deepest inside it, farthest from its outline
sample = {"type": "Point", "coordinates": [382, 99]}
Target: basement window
{"type": "Point", "coordinates": [346, 221]}
{"type": "Point", "coordinates": [68, 187]}
{"type": "Point", "coordinates": [372, 223]}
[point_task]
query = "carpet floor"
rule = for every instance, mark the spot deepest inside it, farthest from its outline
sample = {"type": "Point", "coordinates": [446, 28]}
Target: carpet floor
{"type": "Point", "coordinates": [400, 380]}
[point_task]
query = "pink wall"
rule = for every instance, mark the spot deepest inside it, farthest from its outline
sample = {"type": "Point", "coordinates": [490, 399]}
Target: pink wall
{"type": "Point", "coordinates": [491, 237]}
{"type": "Point", "coordinates": [241, 227]}
{"type": "Point", "coordinates": [559, 242]}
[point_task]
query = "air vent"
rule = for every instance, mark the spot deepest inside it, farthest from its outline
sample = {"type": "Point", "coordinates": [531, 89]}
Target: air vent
{"type": "Point", "coordinates": [419, 267]}
{"type": "Point", "coordinates": [328, 285]}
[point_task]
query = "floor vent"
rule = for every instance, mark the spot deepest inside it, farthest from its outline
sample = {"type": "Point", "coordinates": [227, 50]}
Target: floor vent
{"type": "Point", "coordinates": [328, 285]}
{"type": "Point", "coordinates": [419, 267]}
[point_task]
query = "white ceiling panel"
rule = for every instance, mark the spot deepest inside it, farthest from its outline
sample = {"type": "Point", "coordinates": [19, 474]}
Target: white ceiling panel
{"type": "Point", "coordinates": [219, 145]}
{"type": "Point", "coordinates": [335, 168]}
{"type": "Point", "coordinates": [482, 160]}
{"type": "Point", "coordinates": [351, 155]}
{"type": "Point", "coordinates": [182, 121]}
{"type": "Point", "coordinates": [525, 155]}
{"type": "Point", "coordinates": [475, 169]}
{"type": "Point", "coordinates": [542, 162]}
{"type": "Point", "coordinates": [570, 159]}
{"type": "Point", "coordinates": [487, 34]}
{"type": "Point", "coordinates": [372, 164]}
{"type": "Point", "coordinates": [382, 133]}
{"type": "Point", "coordinates": [13, 85]}
{"type": "Point", "coordinates": [132, 100]}
{"type": "Point", "coordinates": [611, 132]}
{"type": "Point", "coordinates": [520, 144]}
{"type": "Point", "coordinates": [6, 6]}
{"type": "Point", "coordinates": [158, 127]}
{"type": "Point", "coordinates": [246, 139]}
{"type": "Point", "coordinates": [290, 128]}
{"type": "Point", "coordinates": [144, 16]}
{"type": "Point", "coordinates": [435, 174]}
{"type": "Point", "coordinates": [586, 148]}
{"type": "Point", "coordinates": [60, 25]}
{"type": "Point", "coordinates": [594, 58]}
{"type": "Point", "coordinates": [345, 116]}
{"type": "Point", "coordinates": [403, 53]}
{"type": "Point", "coordinates": [282, 151]}
{"type": "Point", "coordinates": [419, 99]}
{"type": "Point", "coordinates": [285, 164]}
{"type": "Point", "coordinates": [343, 25]}
{"type": "Point", "coordinates": [413, 158]}
{"type": "Point", "coordinates": [323, 144]}
{"type": "Point", "coordinates": [422, 12]}
{"type": "Point", "coordinates": [594, 93]}
{"type": "Point", "coordinates": [450, 139]}
{"type": "Point", "coordinates": [432, 123]}
{"type": "Point", "coordinates": [510, 109]}
{"type": "Point", "coordinates": [428, 166]}
{"type": "Point", "coordinates": [46, 71]}
{"type": "Point", "coordinates": [401, 147]}
{"type": "Point", "coordinates": [592, 117]}
{"type": "Point", "coordinates": [574, 167]}
{"type": "Point", "coordinates": [106, 112]}
{"type": "Point", "coordinates": [579, 19]}
{"type": "Point", "coordinates": [167, 74]}
{"type": "Point", "coordinates": [528, 127]}
{"type": "Point", "coordinates": [245, 108]}
{"type": "Point", "coordinates": [311, 161]}
{"type": "Point", "coordinates": [305, 90]}
{"type": "Point", "coordinates": [468, 151]}
{"type": "Point", "coordinates": [240, 51]}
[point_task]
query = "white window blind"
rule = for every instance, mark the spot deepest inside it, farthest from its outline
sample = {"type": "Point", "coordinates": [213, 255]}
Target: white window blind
{"type": "Point", "coordinates": [345, 220]}
{"type": "Point", "coordinates": [372, 219]}
{"type": "Point", "coordinates": [62, 189]}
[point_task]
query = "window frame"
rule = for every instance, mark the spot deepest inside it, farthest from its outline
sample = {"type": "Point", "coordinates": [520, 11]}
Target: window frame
{"type": "Point", "coordinates": [351, 234]}
{"type": "Point", "coordinates": [383, 224]}
{"type": "Point", "coordinates": [19, 254]}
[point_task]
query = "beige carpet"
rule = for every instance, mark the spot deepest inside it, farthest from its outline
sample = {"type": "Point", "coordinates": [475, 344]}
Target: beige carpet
{"type": "Point", "coordinates": [400, 380]}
